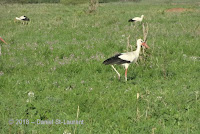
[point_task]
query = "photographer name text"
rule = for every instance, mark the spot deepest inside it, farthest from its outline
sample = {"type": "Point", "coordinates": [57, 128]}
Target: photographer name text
{"type": "Point", "coordinates": [44, 122]}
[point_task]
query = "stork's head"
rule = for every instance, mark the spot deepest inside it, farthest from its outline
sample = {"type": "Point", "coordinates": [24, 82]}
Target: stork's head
{"type": "Point", "coordinates": [26, 18]}
{"type": "Point", "coordinates": [142, 43]}
{"type": "Point", "coordinates": [142, 16]}
{"type": "Point", "coordinates": [2, 40]}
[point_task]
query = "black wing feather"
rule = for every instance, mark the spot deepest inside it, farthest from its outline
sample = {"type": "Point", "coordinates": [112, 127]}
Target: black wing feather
{"type": "Point", "coordinates": [131, 20]}
{"type": "Point", "coordinates": [26, 19]}
{"type": "Point", "coordinates": [115, 60]}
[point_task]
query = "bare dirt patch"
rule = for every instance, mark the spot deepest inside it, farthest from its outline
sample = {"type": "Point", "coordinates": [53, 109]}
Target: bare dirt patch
{"type": "Point", "coordinates": [177, 10]}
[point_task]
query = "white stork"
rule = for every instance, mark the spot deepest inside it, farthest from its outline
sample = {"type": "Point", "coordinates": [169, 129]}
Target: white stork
{"type": "Point", "coordinates": [23, 19]}
{"type": "Point", "coordinates": [0, 45]}
{"type": "Point", "coordinates": [136, 19]}
{"type": "Point", "coordinates": [125, 59]}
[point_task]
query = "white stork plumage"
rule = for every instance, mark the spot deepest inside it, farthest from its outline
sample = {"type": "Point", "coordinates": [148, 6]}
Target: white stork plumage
{"type": "Point", "coordinates": [136, 19]}
{"type": "Point", "coordinates": [125, 59]}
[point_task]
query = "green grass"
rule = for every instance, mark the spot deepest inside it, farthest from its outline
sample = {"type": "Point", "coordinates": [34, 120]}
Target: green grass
{"type": "Point", "coordinates": [59, 56]}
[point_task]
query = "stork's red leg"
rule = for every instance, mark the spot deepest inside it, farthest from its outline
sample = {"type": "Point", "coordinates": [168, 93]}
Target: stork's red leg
{"type": "Point", "coordinates": [2, 40]}
{"type": "Point", "coordinates": [126, 74]}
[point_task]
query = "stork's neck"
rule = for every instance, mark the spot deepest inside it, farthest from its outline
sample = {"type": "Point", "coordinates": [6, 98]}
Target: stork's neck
{"type": "Point", "coordinates": [138, 49]}
{"type": "Point", "coordinates": [142, 17]}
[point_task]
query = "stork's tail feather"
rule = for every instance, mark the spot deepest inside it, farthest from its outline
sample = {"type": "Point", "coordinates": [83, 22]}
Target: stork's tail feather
{"type": "Point", "coordinates": [112, 60]}
{"type": "Point", "coordinates": [115, 60]}
{"type": "Point", "coordinates": [108, 61]}
{"type": "Point", "coordinates": [131, 20]}
{"type": "Point", "coordinates": [27, 19]}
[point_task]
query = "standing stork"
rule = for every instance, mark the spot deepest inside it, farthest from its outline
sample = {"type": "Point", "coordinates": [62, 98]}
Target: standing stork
{"type": "Point", "coordinates": [136, 19]}
{"type": "Point", "coordinates": [0, 45]}
{"type": "Point", "coordinates": [125, 59]}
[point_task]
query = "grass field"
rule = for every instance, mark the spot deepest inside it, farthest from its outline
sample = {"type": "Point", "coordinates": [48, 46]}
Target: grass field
{"type": "Point", "coordinates": [58, 56]}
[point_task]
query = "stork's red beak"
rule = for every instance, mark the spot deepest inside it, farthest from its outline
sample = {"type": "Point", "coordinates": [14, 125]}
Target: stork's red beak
{"type": "Point", "coordinates": [2, 40]}
{"type": "Point", "coordinates": [144, 44]}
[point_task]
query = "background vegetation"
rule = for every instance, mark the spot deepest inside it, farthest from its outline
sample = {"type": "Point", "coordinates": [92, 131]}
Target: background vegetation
{"type": "Point", "coordinates": [58, 56]}
{"type": "Point", "coordinates": [63, 1]}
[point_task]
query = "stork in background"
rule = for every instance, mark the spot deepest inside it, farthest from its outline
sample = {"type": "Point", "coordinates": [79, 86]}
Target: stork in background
{"type": "Point", "coordinates": [23, 19]}
{"type": "Point", "coordinates": [136, 19]}
{"type": "Point", "coordinates": [125, 59]}
{"type": "Point", "coordinates": [0, 45]}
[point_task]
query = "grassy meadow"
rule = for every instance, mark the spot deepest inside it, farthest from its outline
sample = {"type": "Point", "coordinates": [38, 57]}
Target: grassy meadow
{"type": "Point", "coordinates": [58, 56]}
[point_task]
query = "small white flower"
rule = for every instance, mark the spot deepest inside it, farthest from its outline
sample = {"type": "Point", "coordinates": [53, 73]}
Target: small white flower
{"type": "Point", "coordinates": [126, 90]}
{"type": "Point", "coordinates": [31, 94]}
{"type": "Point", "coordinates": [66, 132]}
{"type": "Point", "coordinates": [1, 73]}
{"type": "Point", "coordinates": [159, 97]}
{"type": "Point", "coordinates": [82, 81]}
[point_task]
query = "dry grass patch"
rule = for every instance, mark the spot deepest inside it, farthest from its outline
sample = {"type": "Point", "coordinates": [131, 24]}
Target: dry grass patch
{"type": "Point", "coordinates": [178, 10]}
